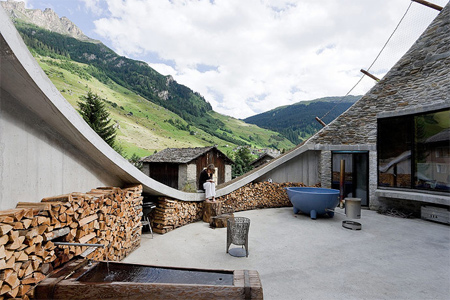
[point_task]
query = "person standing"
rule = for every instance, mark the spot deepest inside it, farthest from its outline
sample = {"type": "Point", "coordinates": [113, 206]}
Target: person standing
{"type": "Point", "coordinates": [206, 182]}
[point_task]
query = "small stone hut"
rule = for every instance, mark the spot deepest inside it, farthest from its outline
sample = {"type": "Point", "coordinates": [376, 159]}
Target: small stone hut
{"type": "Point", "coordinates": [180, 167]}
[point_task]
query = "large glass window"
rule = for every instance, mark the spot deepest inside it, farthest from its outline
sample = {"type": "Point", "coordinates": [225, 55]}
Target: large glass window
{"type": "Point", "coordinates": [413, 151]}
{"type": "Point", "coordinates": [394, 152]}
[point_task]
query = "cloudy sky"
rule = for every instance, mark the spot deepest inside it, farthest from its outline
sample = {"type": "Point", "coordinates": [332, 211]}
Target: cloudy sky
{"type": "Point", "coordinates": [249, 56]}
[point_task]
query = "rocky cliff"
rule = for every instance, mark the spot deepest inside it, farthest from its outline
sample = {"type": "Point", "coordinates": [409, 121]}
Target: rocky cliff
{"type": "Point", "coordinates": [47, 19]}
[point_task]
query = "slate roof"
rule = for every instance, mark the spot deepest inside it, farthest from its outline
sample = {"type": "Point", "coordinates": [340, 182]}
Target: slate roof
{"type": "Point", "coordinates": [443, 136]}
{"type": "Point", "coordinates": [265, 156]}
{"type": "Point", "coordinates": [181, 155]}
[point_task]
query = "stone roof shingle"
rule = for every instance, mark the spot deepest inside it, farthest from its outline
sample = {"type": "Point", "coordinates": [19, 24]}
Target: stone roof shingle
{"type": "Point", "coordinates": [180, 155]}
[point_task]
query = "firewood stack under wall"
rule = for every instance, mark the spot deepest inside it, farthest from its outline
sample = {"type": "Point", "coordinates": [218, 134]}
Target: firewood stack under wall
{"type": "Point", "coordinates": [170, 214]}
{"type": "Point", "coordinates": [109, 216]}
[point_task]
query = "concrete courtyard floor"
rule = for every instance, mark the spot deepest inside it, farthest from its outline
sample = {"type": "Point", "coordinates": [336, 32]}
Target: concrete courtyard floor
{"type": "Point", "coordinates": [300, 258]}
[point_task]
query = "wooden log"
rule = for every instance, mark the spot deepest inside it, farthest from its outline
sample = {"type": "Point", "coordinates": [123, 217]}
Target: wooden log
{"type": "Point", "coordinates": [86, 238]}
{"type": "Point", "coordinates": [30, 249]}
{"type": "Point", "coordinates": [211, 209]}
{"type": "Point", "coordinates": [220, 221]}
{"type": "Point", "coordinates": [46, 268]}
{"type": "Point", "coordinates": [6, 219]}
{"type": "Point", "coordinates": [24, 289]}
{"type": "Point", "coordinates": [17, 214]}
{"type": "Point", "coordinates": [26, 223]}
{"type": "Point", "coordinates": [29, 280]}
{"type": "Point", "coordinates": [39, 276]}
{"type": "Point", "coordinates": [56, 233]}
{"type": "Point", "coordinates": [5, 289]}
{"type": "Point", "coordinates": [3, 239]}
{"type": "Point", "coordinates": [22, 256]}
{"type": "Point", "coordinates": [87, 220]}
{"type": "Point", "coordinates": [16, 242]}
{"type": "Point", "coordinates": [28, 269]}
{"type": "Point", "coordinates": [13, 292]}
{"type": "Point", "coordinates": [2, 251]}
{"type": "Point", "coordinates": [5, 273]}
{"type": "Point", "coordinates": [5, 228]}
{"type": "Point", "coordinates": [60, 198]}
{"type": "Point", "coordinates": [12, 280]}
{"type": "Point", "coordinates": [9, 254]}
{"type": "Point", "coordinates": [34, 205]}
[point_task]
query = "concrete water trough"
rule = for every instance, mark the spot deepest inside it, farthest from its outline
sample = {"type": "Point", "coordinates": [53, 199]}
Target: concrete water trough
{"type": "Point", "coordinates": [313, 201]}
{"type": "Point", "coordinates": [83, 279]}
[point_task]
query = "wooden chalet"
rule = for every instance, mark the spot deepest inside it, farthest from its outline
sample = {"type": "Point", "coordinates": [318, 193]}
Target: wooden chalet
{"type": "Point", "coordinates": [180, 167]}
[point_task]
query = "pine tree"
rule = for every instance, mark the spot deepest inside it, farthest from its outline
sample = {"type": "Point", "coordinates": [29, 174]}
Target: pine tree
{"type": "Point", "coordinates": [93, 111]}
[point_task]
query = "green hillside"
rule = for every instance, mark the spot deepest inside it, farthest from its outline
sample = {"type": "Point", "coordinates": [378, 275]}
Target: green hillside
{"type": "Point", "coordinates": [145, 127]}
{"type": "Point", "coordinates": [297, 121]}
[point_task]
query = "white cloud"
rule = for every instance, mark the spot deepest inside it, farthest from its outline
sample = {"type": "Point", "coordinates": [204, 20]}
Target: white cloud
{"type": "Point", "coordinates": [246, 57]}
{"type": "Point", "coordinates": [93, 6]}
{"type": "Point", "coordinates": [163, 69]}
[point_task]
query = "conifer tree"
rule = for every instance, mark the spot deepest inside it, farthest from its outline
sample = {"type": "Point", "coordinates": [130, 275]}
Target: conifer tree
{"type": "Point", "coordinates": [93, 111]}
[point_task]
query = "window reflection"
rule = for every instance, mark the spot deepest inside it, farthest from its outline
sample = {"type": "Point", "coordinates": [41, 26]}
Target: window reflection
{"type": "Point", "coordinates": [415, 144]}
{"type": "Point", "coordinates": [394, 152]}
{"type": "Point", "coordinates": [432, 140]}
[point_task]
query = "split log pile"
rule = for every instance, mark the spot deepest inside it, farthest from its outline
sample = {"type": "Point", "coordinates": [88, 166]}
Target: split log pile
{"type": "Point", "coordinates": [257, 195]}
{"type": "Point", "coordinates": [170, 214]}
{"type": "Point", "coordinates": [108, 216]}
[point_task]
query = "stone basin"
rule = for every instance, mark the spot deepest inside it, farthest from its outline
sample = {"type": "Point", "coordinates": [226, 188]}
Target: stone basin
{"type": "Point", "coordinates": [83, 279]}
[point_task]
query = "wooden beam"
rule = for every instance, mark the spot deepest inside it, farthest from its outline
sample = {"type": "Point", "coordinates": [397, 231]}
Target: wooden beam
{"type": "Point", "coordinates": [321, 122]}
{"type": "Point", "coordinates": [370, 75]}
{"type": "Point", "coordinates": [431, 5]}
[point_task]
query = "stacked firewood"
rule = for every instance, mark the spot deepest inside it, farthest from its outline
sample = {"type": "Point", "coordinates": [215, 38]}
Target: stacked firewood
{"type": "Point", "coordinates": [28, 233]}
{"type": "Point", "coordinates": [170, 214]}
{"type": "Point", "coordinates": [258, 195]}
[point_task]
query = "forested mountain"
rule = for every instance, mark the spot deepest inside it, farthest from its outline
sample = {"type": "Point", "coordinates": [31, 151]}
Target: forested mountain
{"type": "Point", "coordinates": [297, 121]}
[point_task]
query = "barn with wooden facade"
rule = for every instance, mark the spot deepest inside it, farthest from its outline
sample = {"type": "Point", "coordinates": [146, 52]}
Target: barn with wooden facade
{"type": "Point", "coordinates": [180, 167]}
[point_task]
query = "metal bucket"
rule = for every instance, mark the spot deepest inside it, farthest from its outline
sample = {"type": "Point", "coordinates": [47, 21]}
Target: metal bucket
{"type": "Point", "coordinates": [353, 208]}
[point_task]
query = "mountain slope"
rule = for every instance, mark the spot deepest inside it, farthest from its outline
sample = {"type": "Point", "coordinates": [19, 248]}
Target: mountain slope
{"type": "Point", "coordinates": [297, 121]}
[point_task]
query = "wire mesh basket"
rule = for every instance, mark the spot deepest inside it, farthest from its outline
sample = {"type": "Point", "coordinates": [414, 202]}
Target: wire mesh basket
{"type": "Point", "coordinates": [237, 232]}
